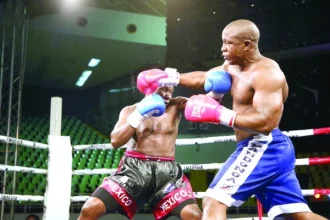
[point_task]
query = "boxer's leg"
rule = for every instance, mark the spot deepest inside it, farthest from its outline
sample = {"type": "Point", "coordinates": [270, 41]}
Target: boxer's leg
{"type": "Point", "coordinates": [247, 170]}
{"type": "Point", "coordinates": [100, 203]}
{"type": "Point", "coordinates": [303, 216]}
{"type": "Point", "coordinates": [188, 209]}
{"type": "Point", "coordinates": [173, 195]}
{"type": "Point", "coordinates": [283, 197]}
{"type": "Point", "coordinates": [121, 191]}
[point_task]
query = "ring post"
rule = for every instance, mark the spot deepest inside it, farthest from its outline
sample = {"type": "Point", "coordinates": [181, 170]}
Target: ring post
{"type": "Point", "coordinates": [55, 116]}
{"type": "Point", "coordinates": [57, 197]}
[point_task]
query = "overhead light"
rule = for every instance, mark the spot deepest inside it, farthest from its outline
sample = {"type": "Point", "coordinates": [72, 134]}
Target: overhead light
{"type": "Point", "coordinates": [94, 62]}
{"type": "Point", "coordinates": [119, 90]}
{"type": "Point", "coordinates": [83, 78]}
{"type": "Point", "coordinates": [114, 90]}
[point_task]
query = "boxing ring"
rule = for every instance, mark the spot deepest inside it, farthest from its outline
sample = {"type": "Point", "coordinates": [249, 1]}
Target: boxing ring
{"type": "Point", "coordinates": [60, 161]}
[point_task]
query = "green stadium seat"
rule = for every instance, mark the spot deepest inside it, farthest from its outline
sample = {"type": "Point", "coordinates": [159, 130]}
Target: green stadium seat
{"type": "Point", "coordinates": [31, 186]}
{"type": "Point", "coordinates": [98, 166]}
{"type": "Point", "coordinates": [115, 164]}
{"type": "Point", "coordinates": [82, 188]}
{"type": "Point", "coordinates": [91, 165]}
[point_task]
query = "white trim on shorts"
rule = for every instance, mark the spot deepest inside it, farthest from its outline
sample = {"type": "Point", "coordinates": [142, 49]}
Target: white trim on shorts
{"type": "Point", "coordinates": [222, 197]}
{"type": "Point", "coordinates": [224, 189]}
{"type": "Point", "coordinates": [287, 209]}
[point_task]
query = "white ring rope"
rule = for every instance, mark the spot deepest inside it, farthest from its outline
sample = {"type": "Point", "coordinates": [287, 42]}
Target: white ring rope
{"type": "Point", "coordinates": [306, 192]}
{"type": "Point", "coordinates": [185, 141]}
{"type": "Point", "coordinates": [207, 140]}
{"type": "Point", "coordinates": [25, 143]}
{"type": "Point", "coordinates": [211, 166]}
{"type": "Point", "coordinates": [22, 169]}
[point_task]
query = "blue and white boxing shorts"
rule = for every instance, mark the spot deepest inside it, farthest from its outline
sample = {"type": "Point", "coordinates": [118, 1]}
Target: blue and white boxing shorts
{"type": "Point", "coordinates": [261, 166]}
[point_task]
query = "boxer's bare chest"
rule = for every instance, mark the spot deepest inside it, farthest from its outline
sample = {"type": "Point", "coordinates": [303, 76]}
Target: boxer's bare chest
{"type": "Point", "coordinates": [241, 90]}
{"type": "Point", "coordinates": [167, 124]}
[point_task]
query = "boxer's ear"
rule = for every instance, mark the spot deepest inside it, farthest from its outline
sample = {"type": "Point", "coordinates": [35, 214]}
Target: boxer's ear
{"type": "Point", "coordinates": [247, 44]}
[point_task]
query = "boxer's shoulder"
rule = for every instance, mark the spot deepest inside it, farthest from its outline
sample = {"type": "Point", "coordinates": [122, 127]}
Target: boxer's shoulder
{"type": "Point", "coordinates": [269, 73]}
{"type": "Point", "coordinates": [128, 109]}
{"type": "Point", "coordinates": [267, 63]}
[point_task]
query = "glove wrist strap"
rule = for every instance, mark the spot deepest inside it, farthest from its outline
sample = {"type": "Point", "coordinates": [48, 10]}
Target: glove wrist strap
{"type": "Point", "coordinates": [135, 119]}
{"type": "Point", "coordinates": [173, 76]}
{"type": "Point", "coordinates": [227, 117]}
{"type": "Point", "coordinates": [215, 96]}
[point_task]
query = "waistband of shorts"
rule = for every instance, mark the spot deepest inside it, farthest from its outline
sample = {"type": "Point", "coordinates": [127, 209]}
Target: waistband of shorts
{"type": "Point", "coordinates": [135, 154]}
{"type": "Point", "coordinates": [275, 133]}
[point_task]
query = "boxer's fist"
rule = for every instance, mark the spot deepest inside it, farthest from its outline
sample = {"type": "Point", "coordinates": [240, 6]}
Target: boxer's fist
{"type": "Point", "coordinates": [148, 81]}
{"type": "Point", "coordinates": [152, 105]}
{"type": "Point", "coordinates": [217, 83]}
{"type": "Point", "coordinates": [202, 108]}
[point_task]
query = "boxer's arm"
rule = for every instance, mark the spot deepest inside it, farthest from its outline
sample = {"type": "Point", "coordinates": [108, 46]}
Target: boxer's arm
{"type": "Point", "coordinates": [193, 79]}
{"type": "Point", "coordinates": [267, 103]}
{"type": "Point", "coordinates": [196, 79]}
{"type": "Point", "coordinates": [180, 103]}
{"type": "Point", "coordinates": [122, 131]}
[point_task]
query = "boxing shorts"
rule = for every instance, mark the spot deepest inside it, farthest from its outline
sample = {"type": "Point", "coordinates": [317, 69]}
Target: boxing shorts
{"type": "Point", "coordinates": [141, 179]}
{"type": "Point", "coordinates": [262, 166]}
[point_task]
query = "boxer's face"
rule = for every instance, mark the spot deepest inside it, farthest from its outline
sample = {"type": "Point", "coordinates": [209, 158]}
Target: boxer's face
{"type": "Point", "coordinates": [166, 93]}
{"type": "Point", "coordinates": [232, 47]}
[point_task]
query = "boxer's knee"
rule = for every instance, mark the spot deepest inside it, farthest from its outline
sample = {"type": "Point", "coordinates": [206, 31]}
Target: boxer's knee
{"type": "Point", "coordinates": [209, 202]}
{"type": "Point", "coordinates": [93, 208]}
{"type": "Point", "coordinates": [191, 212]}
{"type": "Point", "coordinates": [213, 209]}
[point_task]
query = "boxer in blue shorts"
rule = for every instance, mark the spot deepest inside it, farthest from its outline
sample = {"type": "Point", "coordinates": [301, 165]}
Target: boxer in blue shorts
{"type": "Point", "coordinates": [263, 163]}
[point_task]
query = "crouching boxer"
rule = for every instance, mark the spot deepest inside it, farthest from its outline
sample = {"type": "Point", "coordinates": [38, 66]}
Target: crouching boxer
{"type": "Point", "coordinates": [148, 173]}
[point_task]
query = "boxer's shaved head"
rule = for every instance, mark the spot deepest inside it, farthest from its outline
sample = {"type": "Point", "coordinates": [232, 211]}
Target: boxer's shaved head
{"type": "Point", "coordinates": [243, 30]}
{"type": "Point", "coordinates": [240, 42]}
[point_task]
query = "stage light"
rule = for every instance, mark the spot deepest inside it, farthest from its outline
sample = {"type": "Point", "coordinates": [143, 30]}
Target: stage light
{"type": "Point", "coordinates": [94, 62]}
{"type": "Point", "coordinates": [83, 78]}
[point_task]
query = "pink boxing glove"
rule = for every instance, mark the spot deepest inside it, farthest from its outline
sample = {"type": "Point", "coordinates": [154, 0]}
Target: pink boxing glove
{"type": "Point", "coordinates": [146, 86]}
{"type": "Point", "coordinates": [148, 81]}
{"type": "Point", "coordinates": [202, 108]}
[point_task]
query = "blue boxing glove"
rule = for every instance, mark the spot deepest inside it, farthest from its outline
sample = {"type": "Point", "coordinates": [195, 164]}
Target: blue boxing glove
{"type": "Point", "coordinates": [217, 83]}
{"type": "Point", "coordinates": [152, 105]}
